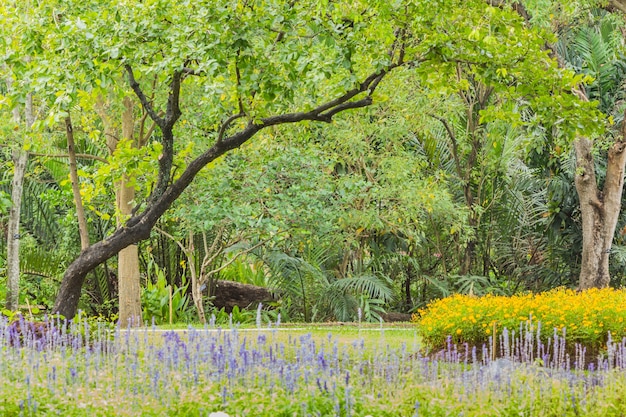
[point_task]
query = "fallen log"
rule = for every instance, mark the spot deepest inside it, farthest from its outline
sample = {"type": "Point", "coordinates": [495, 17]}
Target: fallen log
{"type": "Point", "coordinates": [229, 294]}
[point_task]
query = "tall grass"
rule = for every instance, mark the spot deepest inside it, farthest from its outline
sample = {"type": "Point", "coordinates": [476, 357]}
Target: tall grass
{"type": "Point", "coordinates": [92, 370]}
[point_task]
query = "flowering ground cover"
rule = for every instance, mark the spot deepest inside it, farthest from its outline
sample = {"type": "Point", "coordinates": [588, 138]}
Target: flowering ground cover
{"type": "Point", "coordinates": [78, 370]}
{"type": "Point", "coordinates": [584, 318]}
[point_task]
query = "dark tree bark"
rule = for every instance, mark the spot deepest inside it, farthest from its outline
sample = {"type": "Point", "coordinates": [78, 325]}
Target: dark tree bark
{"type": "Point", "coordinates": [139, 226]}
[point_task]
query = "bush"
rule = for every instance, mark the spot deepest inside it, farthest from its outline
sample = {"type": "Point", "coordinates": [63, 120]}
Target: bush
{"type": "Point", "coordinates": [584, 317]}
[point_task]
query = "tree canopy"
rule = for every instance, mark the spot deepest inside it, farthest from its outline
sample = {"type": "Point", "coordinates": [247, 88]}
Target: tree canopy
{"type": "Point", "coordinates": [460, 105]}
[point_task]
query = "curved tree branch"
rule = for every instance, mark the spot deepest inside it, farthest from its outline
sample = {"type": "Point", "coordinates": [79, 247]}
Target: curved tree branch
{"type": "Point", "coordinates": [147, 105]}
{"type": "Point", "coordinates": [226, 124]}
{"type": "Point", "coordinates": [139, 226]}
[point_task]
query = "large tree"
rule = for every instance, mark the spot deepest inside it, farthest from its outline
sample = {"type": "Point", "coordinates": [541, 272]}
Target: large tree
{"type": "Point", "coordinates": [599, 196]}
{"type": "Point", "coordinates": [216, 73]}
{"type": "Point", "coordinates": [600, 202]}
{"type": "Point", "coordinates": [255, 63]}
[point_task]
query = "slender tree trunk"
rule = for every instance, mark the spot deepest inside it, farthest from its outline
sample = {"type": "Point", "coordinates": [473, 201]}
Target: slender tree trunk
{"type": "Point", "coordinates": [20, 158]}
{"type": "Point", "coordinates": [196, 291]}
{"type": "Point", "coordinates": [128, 258]}
{"type": "Point", "coordinates": [599, 209]}
{"type": "Point", "coordinates": [78, 201]}
{"type": "Point", "coordinates": [128, 267]}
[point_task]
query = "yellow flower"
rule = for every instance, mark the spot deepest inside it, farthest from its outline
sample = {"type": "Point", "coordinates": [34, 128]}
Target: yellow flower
{"type": "Point", "coordinates": [458, 331]}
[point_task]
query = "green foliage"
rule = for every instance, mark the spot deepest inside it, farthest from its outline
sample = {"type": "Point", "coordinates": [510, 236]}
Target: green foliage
{"type": "Point", "coordinates": [315, 294]}
{"type": "Point", "coordinates": [245, 272]}
{"type": "Point", "coordinates": [220, 317]}
{"type": "Point", "coordinates": [156, 296]}
{"type": "Point", "coordinates": [5, 203]}
{"type": "Point", "coordinates": [90, 327]}
{"type": "Point", "coordinates": [41, 270]}
{"type": "Point", "coordinates": [137, 165]}
{"type": "Point", "coordinates": [349, 213]}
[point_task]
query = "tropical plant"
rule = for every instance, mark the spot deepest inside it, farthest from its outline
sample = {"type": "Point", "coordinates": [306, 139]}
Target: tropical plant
{"type": "Point", "coordinates": [310, 283]}
{"type": "Point", "coordinates": [162, 302]}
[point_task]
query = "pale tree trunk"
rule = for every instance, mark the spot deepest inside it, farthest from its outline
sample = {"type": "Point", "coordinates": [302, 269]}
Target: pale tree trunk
{"type": "Point", "coordinates": [78, 201]}
{"type": "Point", "coordinates": [13, 238]}
{"type": "Point", "coordinates": [129, 283]}
{"type": "Point", "coordinates": [128, 258]}
{"type": "Point", "coordinates": [20, 158]}
{"type": "Point", "coordinates": [190, 254]}
{"type": "Point", "coordinates": [196, 291]}
{"type": "Point", "coordinates": [599, 210]}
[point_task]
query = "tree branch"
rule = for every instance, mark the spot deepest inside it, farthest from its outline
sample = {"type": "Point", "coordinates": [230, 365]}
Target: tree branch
{"type": "Point", "coordinates": [203, 277]}
{"type": "Point", "coordinates": [173, 239]}
{"type": "Point", "coordinates": [142, 97]}
{"type": "Point", "coordinates": [65, 155]}
{"type": "Point", "coordinates": [191, 71]}
{"type": "Point", "coordinates": [326, 111]}
{"type": "Point", "coordinates": [226, 124]}
{"type": "Point", "coordinates": [455, 146]}
{"type": "Point", "coordinates": [618, 4]}
{"type": "Point", "coordinates": [173, 101]}
{"type": "Point", "coordinates": [238, 76]}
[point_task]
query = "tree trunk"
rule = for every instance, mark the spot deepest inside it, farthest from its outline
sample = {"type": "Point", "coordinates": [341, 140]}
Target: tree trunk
{"type": "Point", "coordinates": [196, 289]}
{"type": "Point", "coordinates": [599, 210]}
{"type": "Point", "coordinates": [20, 158]}
{"type": "Point", "coordinates": [128, 258]}
{"type": "Point", "coordinates": [229, 294]}
{"type": "Point", "coordinates": [136, 229]}
{"type": "Point", "coordinates": [128, 268]}
{"type": "Point", "coordinates": [78, 201]}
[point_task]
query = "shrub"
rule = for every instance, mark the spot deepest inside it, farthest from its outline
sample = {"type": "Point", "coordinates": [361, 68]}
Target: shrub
{"type": "Point", "coordinates": [584, 317]}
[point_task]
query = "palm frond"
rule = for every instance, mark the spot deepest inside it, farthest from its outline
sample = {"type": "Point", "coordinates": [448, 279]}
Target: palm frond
{"type": "Point", "coordinates": [41, 262]}
{"type": "Point", "coordinates": [369, 285]}
{"type": "Point", "coordinates": [594, 51]}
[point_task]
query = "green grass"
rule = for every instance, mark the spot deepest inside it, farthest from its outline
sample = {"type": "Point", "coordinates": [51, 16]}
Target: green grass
{"type": "Point", "coordinates": [298, 370]}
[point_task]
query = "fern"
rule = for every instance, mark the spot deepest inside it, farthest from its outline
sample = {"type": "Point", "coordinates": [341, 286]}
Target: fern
{"type": "Point", "coordinates": [41, 262]}
{"type": "Point", "coordinates": [369, 285]}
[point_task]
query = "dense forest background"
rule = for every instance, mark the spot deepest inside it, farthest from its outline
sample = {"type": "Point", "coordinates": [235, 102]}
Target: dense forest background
{"type": "Point", "coordinates": [456, 172]}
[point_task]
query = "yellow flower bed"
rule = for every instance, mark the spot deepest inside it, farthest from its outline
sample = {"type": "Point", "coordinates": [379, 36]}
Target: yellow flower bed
{"type": "Point", "coordinates": [586, 316]}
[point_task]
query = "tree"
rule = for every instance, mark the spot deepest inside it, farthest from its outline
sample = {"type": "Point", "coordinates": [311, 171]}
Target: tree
{"type": "Point", "coordinates": [600, 204]}
{"type": "Point", "coordinates": [20, 159]}
{"type": "Point", "coordinates": [485, 103]}
{"type": "Point", "coordinates": [268, 49]}
{"type": "Point", "coordinates": [216, 73]}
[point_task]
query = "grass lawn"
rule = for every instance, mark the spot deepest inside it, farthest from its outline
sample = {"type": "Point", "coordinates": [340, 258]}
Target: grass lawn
{"type": "Point", "coordinates": [296, 370]}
